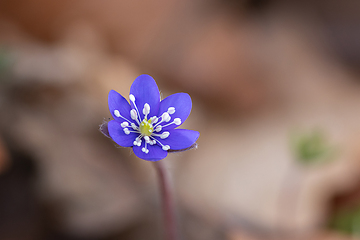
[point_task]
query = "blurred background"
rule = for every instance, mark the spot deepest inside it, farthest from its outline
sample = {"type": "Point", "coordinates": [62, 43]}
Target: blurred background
{"type": "Point", "coordinates": [275, 86]}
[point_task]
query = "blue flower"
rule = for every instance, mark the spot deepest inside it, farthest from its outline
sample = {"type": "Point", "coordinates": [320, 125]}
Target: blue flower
{"type": "Point", "coordinates": [147, 124]}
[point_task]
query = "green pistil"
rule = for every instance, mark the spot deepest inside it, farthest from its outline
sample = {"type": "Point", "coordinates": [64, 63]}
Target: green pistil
{"type": "Point", "coordinates": [146, 128]}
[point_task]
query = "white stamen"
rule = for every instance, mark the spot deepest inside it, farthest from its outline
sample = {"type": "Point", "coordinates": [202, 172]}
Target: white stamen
{"type": "Point", "coordinates": [165, 117]}
{"type": "Point", "coordinates": [158, 128]}
{"type": "Point", "coordinates": [117, 113]}
{"type": "Point", "coordinates": [177, 121]}
{"type": "Point", "coordinates": [144, 149]}
{"type": "Point", "coordinates": [166, 147]}
{"type": "Point", "coordinates": [147, 139]}
{"type": "Point", "coordinates": [171, 110]}
{"type": "Point", "coordinates": [132, 98]}
{"type": "Point", "coordinates": [137, 142]}
{"type": "Point", "coordinates": [126, 131]}
{"type": "Point", "coordinates": [164, 135]}
{"type": "Point", "coordinates": [146, 109]}
{"type": "Point", "coordinates": [124, 124]}
{"type": "Point", "coordinates": [133, 125]}
{"type": "Point", "coordinates": [133, 114]}
{"type": "Point", "coordinates": [154, 141]}
{"type": "Point", "coordinates": [154, 119]}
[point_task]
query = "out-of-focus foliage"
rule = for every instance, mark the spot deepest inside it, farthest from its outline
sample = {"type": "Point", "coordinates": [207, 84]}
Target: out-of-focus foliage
{"type": "Point", "coordinates": [347, 221]}
{"type": "Point", "coordinates": [312, 148]}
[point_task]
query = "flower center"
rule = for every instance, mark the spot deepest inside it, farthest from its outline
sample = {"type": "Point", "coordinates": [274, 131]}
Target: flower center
{"type": "Point", "coordinates": [146, 128]}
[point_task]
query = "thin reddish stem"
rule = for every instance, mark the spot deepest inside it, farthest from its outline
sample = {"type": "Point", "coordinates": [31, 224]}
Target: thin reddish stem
{"type": "Point", "coordinates": [167, 201]}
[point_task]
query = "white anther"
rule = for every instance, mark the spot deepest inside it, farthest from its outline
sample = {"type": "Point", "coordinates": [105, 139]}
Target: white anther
{"type": "Point", "coordinates": [132, 98]}
{"type": "Point", "coordinates": [134, 126]}
{"type": "Point", "coordinates": [124, 124]}
{"type": "Point", "coordinates": [166, 147]}
{"type": "Point", "coordinates": [137, 142]}
{"type": "Point", "coordinates": [177, 121]}
{"type": "Point", "coordinates": [126, 131]}
{"type": "Point", "coordinates": [154, 141]}
{"type": "Point", "coordinates": [171, 110]}
{"type": "Point", "coordinates": [164, 135]}
{"type": "Point", "coordinates": [147, 139]}
{"type": "Point", "coordinates": [145, 150]}
{"type": "Point", "coordinates": [158, 128]}
{"type": "Point", "coordinates": [117, 113]}
{"type": "Point", "coordinates": [154, 120]}
{"type": "Point", "coordinates": [146, 109]}
{"type": "Point", "coordinates": [165, 117]}
{"type": "Point", "coordinates": [133, 114]}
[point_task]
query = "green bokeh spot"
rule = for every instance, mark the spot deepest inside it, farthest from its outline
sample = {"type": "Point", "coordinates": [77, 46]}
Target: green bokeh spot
{"type": "Point", "coordinates": [347, 221]}
{"type": "Point", "coordinates": [312, 148]}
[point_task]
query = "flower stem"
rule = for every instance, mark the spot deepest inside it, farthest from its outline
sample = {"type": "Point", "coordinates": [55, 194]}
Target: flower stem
{"type": "Point", "coordinates": [167, 201]}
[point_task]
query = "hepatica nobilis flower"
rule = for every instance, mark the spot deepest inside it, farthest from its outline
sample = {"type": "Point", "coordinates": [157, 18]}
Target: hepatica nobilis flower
{"type": "Point", "coordinates": [147, 124]}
